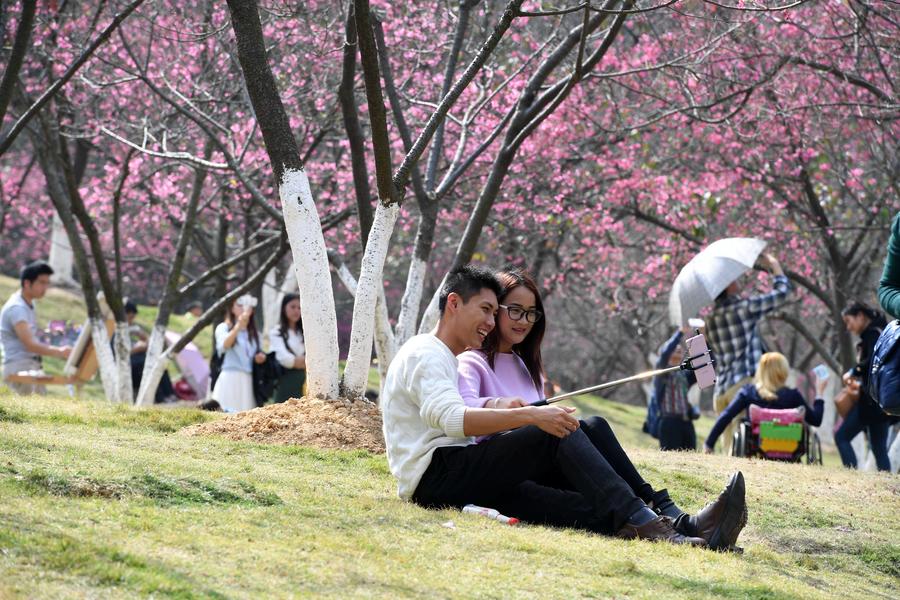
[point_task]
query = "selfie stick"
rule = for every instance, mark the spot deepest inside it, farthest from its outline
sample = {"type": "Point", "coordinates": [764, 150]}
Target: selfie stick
{"type": "Point", "coordinates": [686, 365]}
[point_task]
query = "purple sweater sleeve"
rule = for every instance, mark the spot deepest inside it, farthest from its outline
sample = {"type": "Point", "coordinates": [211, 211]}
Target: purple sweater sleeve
{"type": "Point", "coordinates": [474, 375]}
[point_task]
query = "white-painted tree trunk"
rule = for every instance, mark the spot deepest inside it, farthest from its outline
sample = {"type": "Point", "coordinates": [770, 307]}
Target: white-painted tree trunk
{"type": "Point", "coordinates": [385, 341]}
{"type": "Point", "coordinates": [346, 278]}
{"type": "Point", "coordinates": [151, 378]}
{"type": "Point", "coordinates": [301, 219]}
{"type": "Point", "coordinates": [271, 302]}
{"type": "Point", "coordinates": [105, 361]}
{"type": "Point", "coordinates": [61, 258]}
{"type": "Point", "coordinates": [826, 429]}
{"type": "Point", "coordinates": [432, 313]}
{"type": "Point", "coordinates": [359, 357]}
{"type": "Point", "coordinates": [412, 297]}
{"type": "Point", "coordinates": [894, 454]}
{"type": "Point", "coordinates": [147, 391]}
{"type": "Point", "coordinates": [122, 356]}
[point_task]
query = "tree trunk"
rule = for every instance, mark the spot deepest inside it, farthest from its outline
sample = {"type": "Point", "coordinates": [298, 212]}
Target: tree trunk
{"type": "Point", "coordinates": [314, 280]}
{"type": "Point", "coordinates": [48, 145]}
{"type": "Point", "coordinates": [301, 218]}
{"type": "Point", "coordinates": [367, 294]}
{"type": "Point", "coordinates": [61, 257]}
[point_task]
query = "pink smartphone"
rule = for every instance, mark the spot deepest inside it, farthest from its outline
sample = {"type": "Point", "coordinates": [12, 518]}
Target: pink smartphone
{"type": "Point", "coordinates": [701, 363]}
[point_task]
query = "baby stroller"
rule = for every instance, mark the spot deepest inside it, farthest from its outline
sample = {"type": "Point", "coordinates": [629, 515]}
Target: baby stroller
{"type": "Point", "coordinates": [777, 434]}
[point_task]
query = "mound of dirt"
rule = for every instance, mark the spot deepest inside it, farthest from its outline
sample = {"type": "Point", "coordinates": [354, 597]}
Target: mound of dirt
{"type": "Point", "coordinates": [332, 424]}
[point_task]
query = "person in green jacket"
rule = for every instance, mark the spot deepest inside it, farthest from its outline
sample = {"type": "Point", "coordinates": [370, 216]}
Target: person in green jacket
{"type": "Point", "coordinates": [889, 290]}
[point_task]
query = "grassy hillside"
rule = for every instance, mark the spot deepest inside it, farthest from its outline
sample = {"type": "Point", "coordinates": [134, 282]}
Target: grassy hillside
{"type": "Point", "coordinates": [103, 501]}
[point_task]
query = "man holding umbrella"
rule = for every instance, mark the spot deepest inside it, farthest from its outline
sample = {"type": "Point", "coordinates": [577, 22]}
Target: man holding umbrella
{"type": "Point", "coordinates": [732, 329]}
{"type": "Point", "coordinates": [733, 333]}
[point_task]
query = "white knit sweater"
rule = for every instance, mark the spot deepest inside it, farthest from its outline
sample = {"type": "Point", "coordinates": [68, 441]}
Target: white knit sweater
{"type": "Point", "coordinates": [421, 409]}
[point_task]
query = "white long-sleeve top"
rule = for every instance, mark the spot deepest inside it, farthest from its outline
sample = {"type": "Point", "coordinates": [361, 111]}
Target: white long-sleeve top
{"type": "Point", "coordinates": [282, 354]}
{"type": "Point", "coordinates": [422, 409]}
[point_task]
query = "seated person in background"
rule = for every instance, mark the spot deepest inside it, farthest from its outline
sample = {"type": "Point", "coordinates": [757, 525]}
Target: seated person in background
{"type": "Point", "coordinates": [768, 390]}
{"type": "Point", "coordinates": [18, 329]}
{"type": "Point", "coordinates": [165, 392]}
{"type": "Point", "coordinates": [675, 424]}
{"type": "Point", "coordinates": [195, 309]}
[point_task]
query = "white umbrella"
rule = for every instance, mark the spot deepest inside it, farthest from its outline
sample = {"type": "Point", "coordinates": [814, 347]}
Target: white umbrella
{"type": "Point", "coordinates": [709, 273]}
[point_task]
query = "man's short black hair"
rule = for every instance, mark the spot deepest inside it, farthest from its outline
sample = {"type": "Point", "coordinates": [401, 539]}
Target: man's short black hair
{"type": "Point", "coordinates": [467, 281]}
{"type": "Point", "coordinates": [33, 270]}
{"type": "Point", "coordinates": [130, 307]}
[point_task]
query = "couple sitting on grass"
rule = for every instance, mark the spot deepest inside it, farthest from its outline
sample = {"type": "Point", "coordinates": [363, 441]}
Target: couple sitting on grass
{"type": "Point", "coordinates": [537, 463]}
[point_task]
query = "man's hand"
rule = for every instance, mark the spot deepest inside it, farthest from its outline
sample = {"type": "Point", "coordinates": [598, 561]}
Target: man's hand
{"type": "Point", "coordinates": [707, 449]}
{"type": "Point", "coordinates": [63, 352]}
{"type": "Point", "coordinates": [555, 420]}
{"type": "Point", "coordinates": [509, 402]}
{"type": "Point", "coordinates": [769, 262]}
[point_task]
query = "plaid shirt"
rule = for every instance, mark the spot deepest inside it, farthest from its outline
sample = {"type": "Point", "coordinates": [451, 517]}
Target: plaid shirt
{"type": "Point", "coordinates": [733, 333]}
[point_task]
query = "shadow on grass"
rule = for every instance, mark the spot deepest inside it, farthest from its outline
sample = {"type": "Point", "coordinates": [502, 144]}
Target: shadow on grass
{"type": "Point", "coordinates": [9, 416]}
{"type": "Point", "coordinates": [697, 588]}
{"type": "Point", "coordinates": [165, 491]}
{"type": "Point", "coordinates": [105, 566]}
{"type": "Point", "coordinates": [120, 417]}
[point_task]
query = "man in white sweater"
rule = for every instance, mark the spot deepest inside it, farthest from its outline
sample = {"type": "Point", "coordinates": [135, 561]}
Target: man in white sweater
{"type": "Point", "coordinates": [544, 470]}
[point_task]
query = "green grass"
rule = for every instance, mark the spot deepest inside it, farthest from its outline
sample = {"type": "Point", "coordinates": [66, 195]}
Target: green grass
{"type": "Point", "coordinates": [103, 501]}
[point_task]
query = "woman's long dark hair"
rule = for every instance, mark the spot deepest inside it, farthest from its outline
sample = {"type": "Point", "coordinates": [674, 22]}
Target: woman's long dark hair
{"type": "Point", "coordinates": [251, 324]}
{"type": "Point", "coordinates": [283, 326]}
{"type": "Point", "coordinates": [856, 308]}
{"type": "Point", "coordinates": [530, 348]}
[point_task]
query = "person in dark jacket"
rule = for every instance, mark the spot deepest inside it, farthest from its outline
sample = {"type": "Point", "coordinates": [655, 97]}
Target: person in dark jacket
{"type": "Point", "coordinates": [867, 323]}
{"type": "Point", "coordinates": [769, 391]}
{"type": "Point", "coordinates": [675, 426]}
{"type": "Point", "coordinates": [889, 288]}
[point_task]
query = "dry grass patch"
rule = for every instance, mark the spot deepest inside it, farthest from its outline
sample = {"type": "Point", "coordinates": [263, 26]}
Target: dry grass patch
{"type": "Point", "coordinates": [334, 425]}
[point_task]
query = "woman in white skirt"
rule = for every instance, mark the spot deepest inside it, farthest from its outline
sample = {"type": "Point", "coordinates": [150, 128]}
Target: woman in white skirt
{"type": "Point", "coordinates": [237, 342]}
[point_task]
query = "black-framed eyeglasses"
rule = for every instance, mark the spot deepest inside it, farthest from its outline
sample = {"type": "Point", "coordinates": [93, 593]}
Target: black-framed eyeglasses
{"type": "Point", "coordinates": [517, 312]}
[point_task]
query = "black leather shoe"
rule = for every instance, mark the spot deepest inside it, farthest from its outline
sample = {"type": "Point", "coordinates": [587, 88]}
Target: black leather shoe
{"type": "Point", "coordinates": [660, 528]}
{"type": "Point", "coordinates": [720, 522]}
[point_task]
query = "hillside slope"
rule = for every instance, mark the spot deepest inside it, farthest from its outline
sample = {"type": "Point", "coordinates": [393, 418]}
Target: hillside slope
{"type": "Point", "coordinates": [105, 501]}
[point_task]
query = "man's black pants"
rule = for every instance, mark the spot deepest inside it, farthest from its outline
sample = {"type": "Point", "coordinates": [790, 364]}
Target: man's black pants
{"type": "Point", "coordinates": [677, 433]}
{"type": "Point", "coordinates": [533, 476]}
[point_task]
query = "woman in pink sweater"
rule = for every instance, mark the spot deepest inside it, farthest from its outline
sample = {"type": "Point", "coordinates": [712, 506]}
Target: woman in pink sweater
{"type": "Point", "coordinates": [508, 372]}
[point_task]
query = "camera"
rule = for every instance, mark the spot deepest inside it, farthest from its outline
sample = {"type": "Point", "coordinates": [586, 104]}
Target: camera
{"type": "Point", "coordinates": [247, 301]}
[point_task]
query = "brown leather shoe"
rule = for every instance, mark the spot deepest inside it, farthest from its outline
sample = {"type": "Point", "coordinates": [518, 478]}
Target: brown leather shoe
{"type": "Point", "coordinates": [661, 528]}
{"type": "Point", "coordinates": [720, 522]}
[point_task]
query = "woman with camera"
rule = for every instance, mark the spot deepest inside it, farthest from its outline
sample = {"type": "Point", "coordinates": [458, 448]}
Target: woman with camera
{"type": "Point", "coordinates": [865, 322]}
{"type": "Point", "coordinates": [237, 342]}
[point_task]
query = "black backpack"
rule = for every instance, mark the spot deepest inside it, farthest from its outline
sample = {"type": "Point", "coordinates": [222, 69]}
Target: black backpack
{"type": "Point", "coordinates": [884, 372]}
{"type": "Point", "coordinates": [215, 367]}
{"type": "Point", "coordinates": [265, 377]}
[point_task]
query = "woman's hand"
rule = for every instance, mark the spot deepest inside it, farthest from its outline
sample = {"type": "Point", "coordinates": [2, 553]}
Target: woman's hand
{"type": "Point", "coordinates": [821, 385]}
{"type": "Point", "coordinates": [510, 402]}
{"type": "Point", "coordinates": [259, 358]}
{"type": "Point", "coordinates": [300, 362]}
{"type": "Point", "coordinates": [244, 318]}
{"type": "Point", "coordinates": [555, 420]}
{"type": "Point", "coordinates": [707, 449]}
